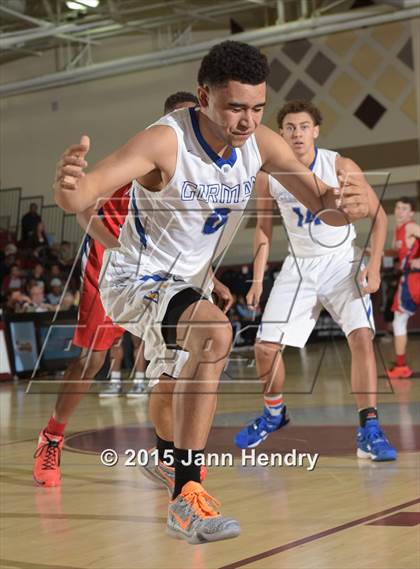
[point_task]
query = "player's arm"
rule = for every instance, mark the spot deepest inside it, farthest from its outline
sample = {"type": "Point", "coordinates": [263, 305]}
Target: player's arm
{"type": "Point", "coordinates": [94, 226]}
{"type": "Point", "coordinates": [372, 272]}
{"type": "Point", "coordinates": [279, 161]}
{"type": "Point", "coordinates": [413, 230]}
{"type": "Point", "coordinates": [76, 190]}
{"type": "Point", "coordinates": [262, 238]}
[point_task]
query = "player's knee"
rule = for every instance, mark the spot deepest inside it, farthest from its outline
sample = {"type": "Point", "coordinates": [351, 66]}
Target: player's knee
{"type": "Point", "coordinates": [399, 323]}
{"type": "Point", "coordinates": [214, 341]}
{"type": "Point", "coordinates": [160, 401]}
{"type": "Point", "coordinates": [91, 365]}
{"type": "Point", "coordinates": [219, 340]}
{"type": "Point", "coordinates": [165, 386]}
{"type": "Point", "coordinates": [266, 350]}
{"type": "Point", "coordinates": [360, 340]}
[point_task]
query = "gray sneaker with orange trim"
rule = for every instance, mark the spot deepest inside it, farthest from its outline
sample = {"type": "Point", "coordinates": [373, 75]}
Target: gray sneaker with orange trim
{"type": "Point", "coordinates": [164, 474]}
{"type": "Point", "coordinates": [192, 516]}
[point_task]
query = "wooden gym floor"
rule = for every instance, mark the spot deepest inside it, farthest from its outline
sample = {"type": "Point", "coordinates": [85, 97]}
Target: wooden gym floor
{"type": "Point", "coordinates": [346, 512]}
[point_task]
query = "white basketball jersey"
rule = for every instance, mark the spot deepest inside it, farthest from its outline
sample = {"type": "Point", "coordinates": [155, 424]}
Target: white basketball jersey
{"type": "Point", "coordinates": [179, 229]}
{"type": "Point", "coordinates": [309, 236]}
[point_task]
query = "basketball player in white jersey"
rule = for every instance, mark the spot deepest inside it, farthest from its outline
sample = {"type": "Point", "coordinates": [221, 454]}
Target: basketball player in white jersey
{"type": "Point", "coordinates": [321, 271]}
{"type": "Point", "coordinates": [199, 167]}
{"type": "Point", "coordinates": [95, 339]}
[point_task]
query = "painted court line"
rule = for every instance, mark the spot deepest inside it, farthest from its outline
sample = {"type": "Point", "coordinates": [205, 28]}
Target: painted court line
{"type": "Point", "coordinates": [315, 536]}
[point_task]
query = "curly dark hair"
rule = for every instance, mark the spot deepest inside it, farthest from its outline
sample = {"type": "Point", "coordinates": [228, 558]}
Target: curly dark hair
{"type": "Point", "coordinates": [299, 106]}
{"type": "Point", "coordinates": [408, 201]}
{"type": "Point", "coordinates": [233, 61]}
{"type": "Point", "coordinates": [179, 97]}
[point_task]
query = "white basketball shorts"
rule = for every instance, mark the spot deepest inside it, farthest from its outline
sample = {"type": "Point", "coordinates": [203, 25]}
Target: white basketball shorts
{"type": "Point", "coordinates": [139, 305]}
{"type": "Point", "coordinates": [304, 287]}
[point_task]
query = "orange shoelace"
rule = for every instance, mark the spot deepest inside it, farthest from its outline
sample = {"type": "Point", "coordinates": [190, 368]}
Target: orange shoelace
{"type": "Point", "coordinates": [202, 503]}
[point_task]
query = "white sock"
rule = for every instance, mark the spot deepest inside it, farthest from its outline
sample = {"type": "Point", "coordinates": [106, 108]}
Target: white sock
{"type": "Point", "coordinates": [139, 377]}
{"type": "Point", "coordinates": [274, 404]}
{"type": "Point", "coordinates": [115, 376]}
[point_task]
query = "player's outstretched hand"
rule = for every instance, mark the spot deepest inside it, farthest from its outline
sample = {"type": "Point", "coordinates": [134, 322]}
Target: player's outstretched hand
{"type": "Point", "coordinates": [353, 198]}
{"type": "Point", "coordinates": [70, 167]}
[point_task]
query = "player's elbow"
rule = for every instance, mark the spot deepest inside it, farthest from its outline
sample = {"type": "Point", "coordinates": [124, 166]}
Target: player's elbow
{"type": "Point", "coordinates": [67, 202]}
{"type": "Point", "coordinates": [262, 238]}
{"type": "Point", "coordinates": [264, 228]}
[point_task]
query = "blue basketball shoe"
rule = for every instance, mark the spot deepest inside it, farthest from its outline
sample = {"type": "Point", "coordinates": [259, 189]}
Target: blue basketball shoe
{"type": "Point", "coordinates": [373, 444]}
{"type": "Point", "coordinates": [255, 433]}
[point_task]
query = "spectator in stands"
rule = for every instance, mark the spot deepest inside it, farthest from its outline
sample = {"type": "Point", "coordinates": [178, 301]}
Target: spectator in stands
{"type": "Point", "coordinates": [9, 259]}
{"type": "Point", "coordinates": [56, 289]}
{"type": "Point", "coordinates": [15, 301]}
{"type": "Point", "coordinates": [54, 271]}
{"type": "Point", "coordinates": [39, 237]}
{"type": "Point", "coordinates": [39, 243]}
{"type": "Point", "coordinates": [29, 222]}
{"type": "Point", "coordinates": [32, 282]}
{"type": "Point", "coordinates": [249, 320]}
{"type": "Point", "coordinates": [37, 275]}
{"type": "Point", "coordinates": [68, 302]}
{"type": "Point", "coordinates": [10, 255]}
{"type": "Point", "coordinates": [37, 301]}
{"type": "Point", "coordinates": [65, 257]}
{"type": "Point", "coordinates": [14, 280]}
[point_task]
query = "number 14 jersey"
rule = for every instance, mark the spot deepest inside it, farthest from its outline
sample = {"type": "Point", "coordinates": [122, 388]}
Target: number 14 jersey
{"type": "Point", "coordinates": [308, 235]}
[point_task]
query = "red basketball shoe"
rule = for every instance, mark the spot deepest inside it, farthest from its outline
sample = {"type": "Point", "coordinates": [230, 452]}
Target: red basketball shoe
{"type": "Point", "coordinates": [47, 456]}
{"type": "Point", "coordinates": [400, 372]}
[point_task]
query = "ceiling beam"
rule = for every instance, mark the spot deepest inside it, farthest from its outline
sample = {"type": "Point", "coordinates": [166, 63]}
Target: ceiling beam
{"type": "Point", "coordinates": [262, 37]}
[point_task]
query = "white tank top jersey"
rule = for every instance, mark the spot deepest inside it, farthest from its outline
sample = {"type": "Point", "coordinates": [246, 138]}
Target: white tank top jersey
{"type": "Point", "coordinates": [179, 229]}
{"type": "Point", "coordinates": [309, 237]}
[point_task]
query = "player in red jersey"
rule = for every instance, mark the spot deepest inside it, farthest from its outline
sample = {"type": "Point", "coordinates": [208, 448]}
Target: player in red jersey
{"type": "Point", "coordinates": [407, 298]}
{"type": "Point", "coordinates": [95, 332]}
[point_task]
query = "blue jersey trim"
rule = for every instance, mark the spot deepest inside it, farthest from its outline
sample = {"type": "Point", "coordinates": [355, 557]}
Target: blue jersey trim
{"type": "Point", "coordinates": [312, 165]}
{"type": "Point", "coordinates": [406, 300]}
{"type": "Point", "coordinates": [218, 160]}
{"type": "Point", "coordinates": [155, 278]}
{"type": "Point", "coordinates": [86, 243]}
{"type": "Point", "coordinates": [137, 222]}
